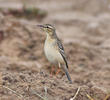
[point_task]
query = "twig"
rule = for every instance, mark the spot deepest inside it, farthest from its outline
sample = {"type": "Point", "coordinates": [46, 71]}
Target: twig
{"type": "Point", "coordinates": [89, 97]}
{"type": "Point", "coordinates": [45, 88]}
{"type": "Point", "coordinates": [18, 95]}
{"type": "Point", "coordinates": [75, 94]}
{"type": "Point", "coordinates": [43, 98]}
{"type": "Point", "coordinates": [38, 95]}
{"type": "Point", "coordinates": [107, 97]}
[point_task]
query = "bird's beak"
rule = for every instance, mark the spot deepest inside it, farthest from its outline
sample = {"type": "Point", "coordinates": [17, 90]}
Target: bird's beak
{"type": "Point", "coordinates": [41, 26]}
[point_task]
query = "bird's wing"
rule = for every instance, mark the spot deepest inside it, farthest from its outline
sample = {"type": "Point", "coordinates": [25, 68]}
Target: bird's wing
{"type": "Point", "coordinates": [61, 50]}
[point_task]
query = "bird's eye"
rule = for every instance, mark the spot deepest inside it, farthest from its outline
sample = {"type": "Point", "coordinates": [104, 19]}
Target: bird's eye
{"type": "Point", "coordinates": [47, 27]}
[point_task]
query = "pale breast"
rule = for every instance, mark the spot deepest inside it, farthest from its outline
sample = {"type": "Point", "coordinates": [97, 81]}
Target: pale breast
{"type": "Point", "coordinates": [52, 53]}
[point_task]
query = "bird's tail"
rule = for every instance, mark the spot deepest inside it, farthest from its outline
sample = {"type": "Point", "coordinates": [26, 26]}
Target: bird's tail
{"type": "Point", "coordinates": [67, 74]}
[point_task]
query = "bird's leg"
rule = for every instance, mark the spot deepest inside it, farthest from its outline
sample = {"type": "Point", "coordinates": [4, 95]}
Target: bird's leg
{"type": "Point", "coordinates": [59, 70]}
{"type": "Point", "coordinates": [52, 70]}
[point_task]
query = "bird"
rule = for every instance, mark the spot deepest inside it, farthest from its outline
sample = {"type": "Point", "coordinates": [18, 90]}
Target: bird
{"type": "Point", "coordinates": [54, 50]}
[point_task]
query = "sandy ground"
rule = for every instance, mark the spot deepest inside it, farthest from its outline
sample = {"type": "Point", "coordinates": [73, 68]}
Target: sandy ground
{"type": "Point", "coordinates": [83, 27]}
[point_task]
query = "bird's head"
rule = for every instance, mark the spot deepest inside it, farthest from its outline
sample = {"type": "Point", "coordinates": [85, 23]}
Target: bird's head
{"type": "Point", "coordinates": [49, 29]}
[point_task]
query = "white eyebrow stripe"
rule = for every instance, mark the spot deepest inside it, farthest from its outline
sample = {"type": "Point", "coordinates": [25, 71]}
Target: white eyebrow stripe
{"type": "Point", "coordinates": [50, 26]}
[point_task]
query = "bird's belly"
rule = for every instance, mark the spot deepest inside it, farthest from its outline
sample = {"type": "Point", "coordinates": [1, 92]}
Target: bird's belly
{"type": "Point", "coordinates": [53, 55]}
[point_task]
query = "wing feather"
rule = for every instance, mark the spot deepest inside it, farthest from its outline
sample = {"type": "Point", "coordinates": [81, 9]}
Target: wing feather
{"type": "Point", "coordinates": [62, 52]}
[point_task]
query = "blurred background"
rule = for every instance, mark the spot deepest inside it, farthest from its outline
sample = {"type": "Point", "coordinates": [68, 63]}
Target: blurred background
{"type": "Point", "coordinates": [84, 28]}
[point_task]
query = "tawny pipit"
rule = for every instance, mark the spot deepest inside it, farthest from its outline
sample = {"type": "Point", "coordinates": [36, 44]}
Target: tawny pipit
{"type": "Point", "coordinates": [54, 50]}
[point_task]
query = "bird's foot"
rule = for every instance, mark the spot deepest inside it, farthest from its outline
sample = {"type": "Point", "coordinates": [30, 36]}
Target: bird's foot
{"type": "Point", "coordinates": [52, 71]}
{"type": "Point", "coordinates": [58, 71]}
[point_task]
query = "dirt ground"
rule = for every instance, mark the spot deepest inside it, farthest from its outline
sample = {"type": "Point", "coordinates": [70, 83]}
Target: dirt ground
{"type": "Point", "coordinates": [84, 28]}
